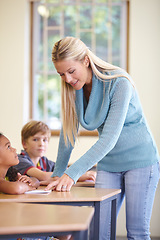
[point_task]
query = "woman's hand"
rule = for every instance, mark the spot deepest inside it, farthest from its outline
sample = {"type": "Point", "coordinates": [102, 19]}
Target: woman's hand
{"type": "Point", "coordinates": [62, 184]}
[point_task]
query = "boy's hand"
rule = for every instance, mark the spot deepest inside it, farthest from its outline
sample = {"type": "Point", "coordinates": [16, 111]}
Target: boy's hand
{"type": "Point", "coordinates": [48, 181]}
{"type": "Point", "coordinates": [90, 175]}
{"type": "Point", "coordinates": [30, 188]}
{"type": "Point", "coordinates": [24, 178]}
{"type": "Point", "coordinates": [33, 182]}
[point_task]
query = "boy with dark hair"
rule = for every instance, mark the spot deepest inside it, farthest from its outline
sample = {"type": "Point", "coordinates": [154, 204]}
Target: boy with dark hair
{"type": "Point", "coordinates": [13, 183]}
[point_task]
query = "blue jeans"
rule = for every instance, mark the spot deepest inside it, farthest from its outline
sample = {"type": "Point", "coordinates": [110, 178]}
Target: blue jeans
{"type": "Point", "coordinates": [139, 187]}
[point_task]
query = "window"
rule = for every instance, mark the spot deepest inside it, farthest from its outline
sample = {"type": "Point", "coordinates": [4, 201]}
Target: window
{"type": "Point", "coordinates": [101, 24]}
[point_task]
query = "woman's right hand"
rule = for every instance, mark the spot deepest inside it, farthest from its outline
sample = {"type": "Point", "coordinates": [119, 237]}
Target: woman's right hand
{"type": "Point", "coordinates": [61, 184]}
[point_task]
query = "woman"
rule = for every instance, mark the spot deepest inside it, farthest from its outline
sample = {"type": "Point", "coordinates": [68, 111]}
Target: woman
{"type": "Point", "coordinates": [101, 96]}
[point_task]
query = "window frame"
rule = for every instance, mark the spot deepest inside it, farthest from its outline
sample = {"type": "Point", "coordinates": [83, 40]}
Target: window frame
{"type": "Point", "coordinates": [55, 132]}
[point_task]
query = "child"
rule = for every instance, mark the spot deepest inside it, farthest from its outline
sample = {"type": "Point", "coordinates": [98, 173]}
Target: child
{"type": "Point", "coordinates": [11, 181]}
{"type": "Point", "coordinates": [8, 158]}
{"type": "Point", "coordinates": [35, 136]}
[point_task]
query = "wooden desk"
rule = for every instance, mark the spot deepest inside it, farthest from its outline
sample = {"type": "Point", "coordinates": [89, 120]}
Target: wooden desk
{"type": "Point", "coordinates": [33, 220]}
{"type": "Point", "coordinates": [78, 196]}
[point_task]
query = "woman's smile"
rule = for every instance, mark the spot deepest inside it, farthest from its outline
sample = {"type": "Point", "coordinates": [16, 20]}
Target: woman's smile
{"type": "Point", "coordinates": [75, 73]}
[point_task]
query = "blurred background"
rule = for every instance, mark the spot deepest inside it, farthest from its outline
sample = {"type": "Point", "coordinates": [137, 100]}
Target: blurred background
{"type": "Point", "coordinates": [26, 74]}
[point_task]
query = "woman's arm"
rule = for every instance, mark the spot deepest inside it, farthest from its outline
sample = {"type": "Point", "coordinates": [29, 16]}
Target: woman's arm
{"type": "Point", "coordinates": [63, 156]}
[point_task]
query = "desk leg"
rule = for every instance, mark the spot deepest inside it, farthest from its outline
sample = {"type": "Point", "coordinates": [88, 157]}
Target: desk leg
{"type": "Point", "coordinates": [95, 233]}
{"type": "Point", "coordinates": [95, 226]}
{"type": "Point", "coordinates": [81, 235]}
{"type": "Point", "coordinates": [113, 219]}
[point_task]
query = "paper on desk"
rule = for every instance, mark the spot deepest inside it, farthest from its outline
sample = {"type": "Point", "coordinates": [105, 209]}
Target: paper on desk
{"type": "Point", "coordinates": [38, 192]}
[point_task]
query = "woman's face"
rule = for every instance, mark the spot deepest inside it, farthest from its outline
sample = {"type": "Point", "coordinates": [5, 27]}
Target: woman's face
{"type": "Point", "coordinates": [75, 73]}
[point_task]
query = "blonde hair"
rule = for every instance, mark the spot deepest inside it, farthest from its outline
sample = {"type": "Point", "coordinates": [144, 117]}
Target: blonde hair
{"type": "Point", "coordinates": [70, 48]}
{"type": "Point", "coordinates": [33, 127]}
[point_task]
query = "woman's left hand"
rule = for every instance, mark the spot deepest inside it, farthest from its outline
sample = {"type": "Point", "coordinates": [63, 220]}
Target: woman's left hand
{"type": "Point", "coordinates": [62, 184]}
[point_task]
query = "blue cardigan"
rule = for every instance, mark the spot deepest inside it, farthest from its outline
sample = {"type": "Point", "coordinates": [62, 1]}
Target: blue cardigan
{"type": "Point", "coordinates": [125, 140]}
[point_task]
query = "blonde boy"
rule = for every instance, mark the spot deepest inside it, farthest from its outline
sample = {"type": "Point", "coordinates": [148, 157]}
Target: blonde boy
{"type": "Point", "coordinates": [35, 137]}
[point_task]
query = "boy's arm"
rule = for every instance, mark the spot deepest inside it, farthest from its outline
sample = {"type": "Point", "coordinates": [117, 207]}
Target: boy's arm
{"type": "Point", "coordinates": [89, 175]}
{"type": "Point", "coordinates": [39, 174]}
{"type": "Point", "coordinates": [14, 187]}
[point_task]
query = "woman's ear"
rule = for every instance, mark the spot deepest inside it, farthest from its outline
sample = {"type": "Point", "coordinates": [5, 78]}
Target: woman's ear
{"type": "Point", "coordinates": [86, 61]}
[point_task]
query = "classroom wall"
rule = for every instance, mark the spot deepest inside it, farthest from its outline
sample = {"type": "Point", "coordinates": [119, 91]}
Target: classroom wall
{"type": "Point", "coordinates": [144, 65]}
{"type": "Point", "coordinates": [14, 67]}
